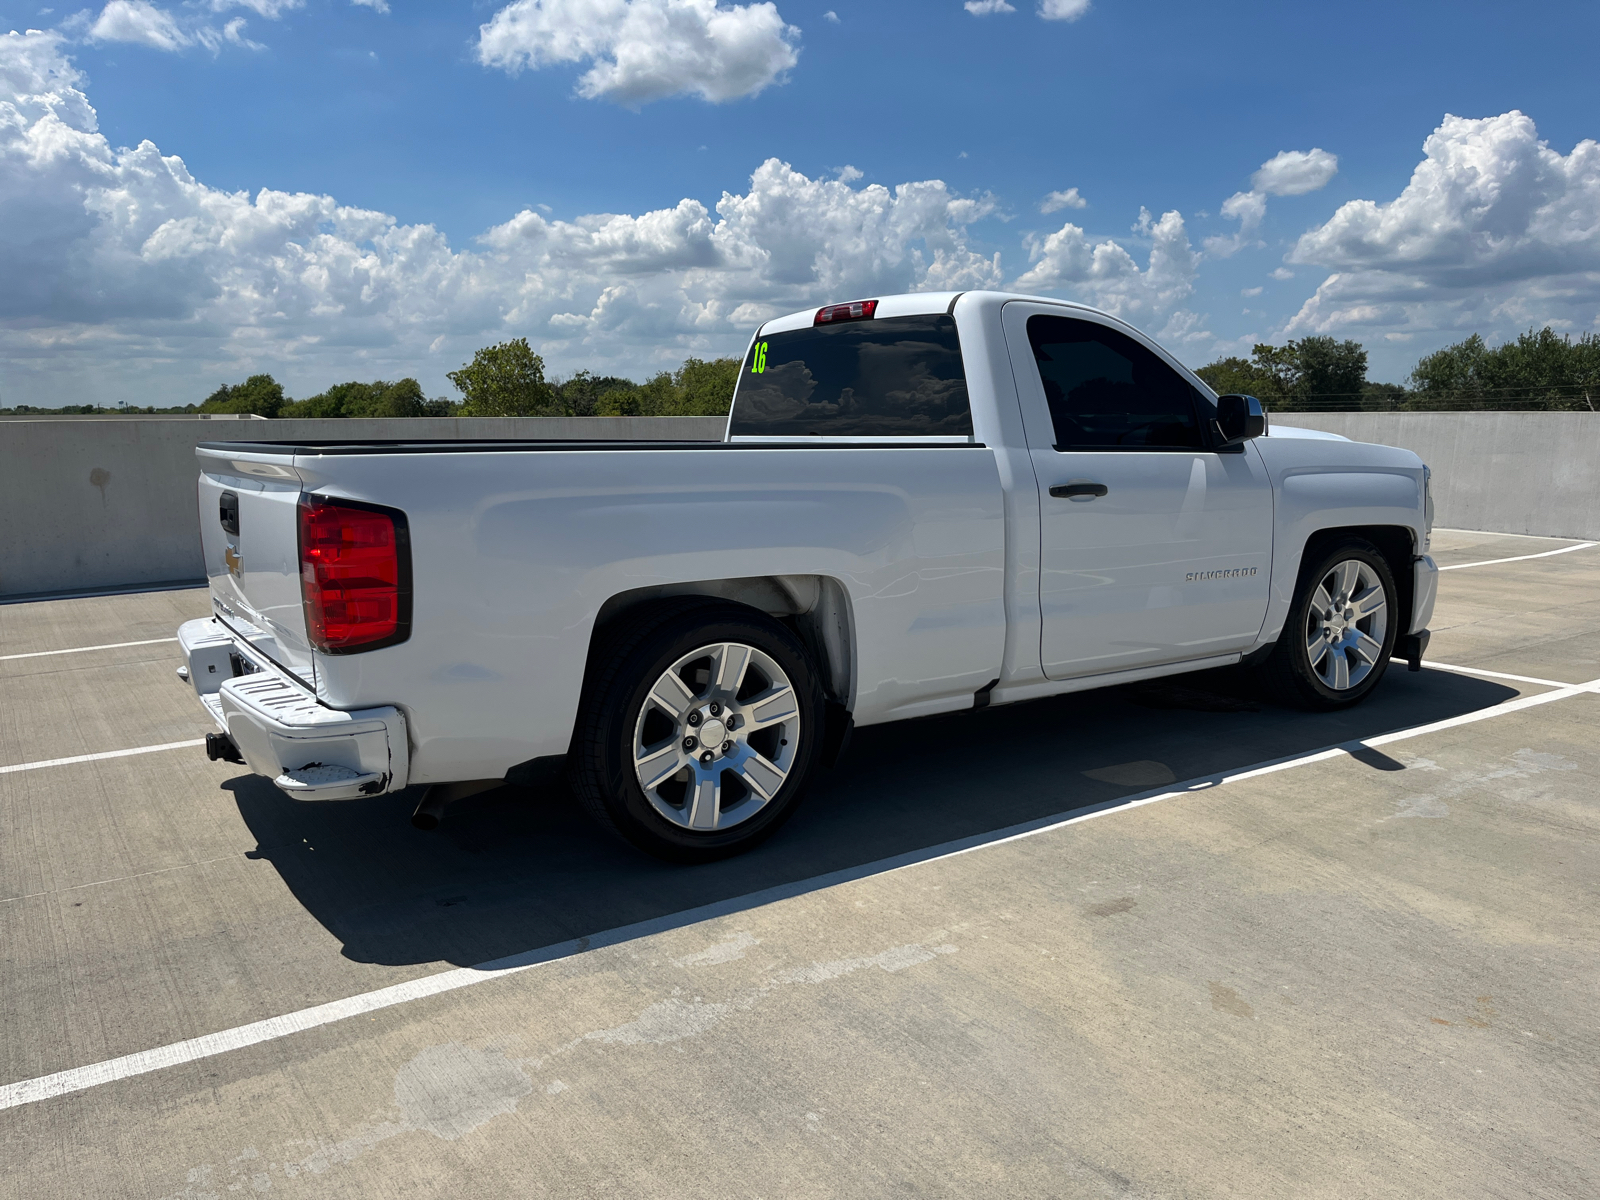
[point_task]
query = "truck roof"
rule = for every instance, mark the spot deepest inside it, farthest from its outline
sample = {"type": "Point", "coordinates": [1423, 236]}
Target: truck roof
{"type": "Point", "coordinates": [908, 304]}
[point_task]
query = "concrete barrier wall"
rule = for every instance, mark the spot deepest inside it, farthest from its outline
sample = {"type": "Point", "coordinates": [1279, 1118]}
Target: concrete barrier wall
{"type": "Point", "coordinates": [91, 502]}
{"type": "Point", "coordinates": [1508, 472]}
{"type": "Point", "coordinates": [88, 503]}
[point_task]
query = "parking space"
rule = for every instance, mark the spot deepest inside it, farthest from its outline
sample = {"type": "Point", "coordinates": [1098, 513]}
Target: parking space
{"type": "Point", "coordinates": [1251, 965]}
{"type": "Point", "coordinates": [57, 625]}
{"type": "Point", "coordinates": [1535, 617]}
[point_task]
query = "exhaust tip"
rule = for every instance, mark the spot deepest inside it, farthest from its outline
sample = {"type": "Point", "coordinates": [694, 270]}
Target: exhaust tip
{"type": "Point", "coordinates": [431, 808]}
{"type": "Point", "coordinates": [440, 795]}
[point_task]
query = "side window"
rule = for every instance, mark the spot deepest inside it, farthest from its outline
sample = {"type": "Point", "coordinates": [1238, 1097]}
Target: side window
{"type": "Point", "coordinates": [1107, 392]}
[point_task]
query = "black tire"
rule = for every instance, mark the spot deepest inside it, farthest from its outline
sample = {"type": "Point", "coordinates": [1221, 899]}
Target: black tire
{"type": "Point", "coordinates": [1289, 673]}
{"type": "Point", "coordinates": [622, 674]}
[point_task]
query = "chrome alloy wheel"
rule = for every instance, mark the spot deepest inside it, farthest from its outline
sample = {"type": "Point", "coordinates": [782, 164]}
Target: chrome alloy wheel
{"type": "Point", "coordinates": [1346, 623]}
{"type": "Point", "coordinates": [716, 736]}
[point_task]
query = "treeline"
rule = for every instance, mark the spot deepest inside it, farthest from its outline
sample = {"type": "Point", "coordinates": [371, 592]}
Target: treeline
{"type": "Point", "coordinates": [88, 410]}
{"type": "Point", "coordinates": [1539, 370]}
{"type": "Point", "coordinates": [263, 396]}
{"type": "Point", "coordinates": [505, 380]}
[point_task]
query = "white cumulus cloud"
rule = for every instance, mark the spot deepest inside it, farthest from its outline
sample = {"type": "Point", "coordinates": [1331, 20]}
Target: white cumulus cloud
{"type": "Point", "coordinates": [1495, 232]}
{"type": "Point", "coordinates": [270, 9]}
{"type": "Point", "coordinates": [232, 32]}
{"type": "Point", "coordinates": [128, 278]}
{"type": "Point", "coordinates": [139, 22]}
{"type": "Point", "coordinates": [1056, 201]}
{"type": "Point", "coordinates": [1248, 208]}
{"type": "Point", "coordinates": [984, 8]}
{"type": "Point", "coordinates": [1295, 172]}
{"type": "Point", "coordinates": [644, 50]}
{"type": "Point", "coordinates": [1062, 10]}
{"type": "Point", "coordinates": [1287, 173]}
{"type": "Point", "coordinates": [1105, 275]}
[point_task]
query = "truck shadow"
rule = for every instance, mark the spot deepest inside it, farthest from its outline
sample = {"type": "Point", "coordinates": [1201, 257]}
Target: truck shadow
{"type": "Point", "coordinates": [512, 870]}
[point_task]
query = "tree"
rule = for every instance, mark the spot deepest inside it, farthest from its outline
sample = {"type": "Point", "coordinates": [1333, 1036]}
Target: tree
{"type": "Point", "coordinates": [1235, 376]}
{"type": "Point", "coordinates": [1384, 397]}
{"type": "Point", "coordinates": [1277, 369]}
{"type": "Point", "coordinates": [504, 380]}
{"type": "Point", "coordinates": [658, 397]}
{"type": "Point", "coordinates": [1313, 373]}
{"type": "Point", "coordinates": [698, 388]}
{"type": "Point", "coordinates": [580, 395]}
{"type": "Point", "coordinates": [706, 388]}
{"type": "Point", "coordinates": [377, 399]}
{"type": "Point", "coordinates": [260, 394]}
{"type": "Point", "coordinates": [1541, 369]}
{"type": "Point", "coordinates": [1329, 373]}
{"type": "Point", "coordinates": [1453, 372]}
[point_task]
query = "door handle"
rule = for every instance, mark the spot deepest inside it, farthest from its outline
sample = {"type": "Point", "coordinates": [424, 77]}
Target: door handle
{"type": "Point", "coordinates": [1066, 491]}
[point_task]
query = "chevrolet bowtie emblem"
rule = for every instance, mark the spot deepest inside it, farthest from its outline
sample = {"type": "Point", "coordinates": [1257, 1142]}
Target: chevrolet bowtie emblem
{"type": "Point", "coordinates": [231, 556]}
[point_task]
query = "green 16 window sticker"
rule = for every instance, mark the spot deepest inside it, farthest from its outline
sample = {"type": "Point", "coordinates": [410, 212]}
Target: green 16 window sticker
{"type": "Point", "coordinates": [758, 359]}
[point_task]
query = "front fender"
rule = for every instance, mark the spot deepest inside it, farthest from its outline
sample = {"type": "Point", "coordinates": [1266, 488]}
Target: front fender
{"type": "Point", "coordinates": [1323, 485]}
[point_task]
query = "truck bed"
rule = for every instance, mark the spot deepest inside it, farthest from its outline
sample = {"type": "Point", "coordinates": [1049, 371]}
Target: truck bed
{"type": "Point", "coordinates": [517, 557]}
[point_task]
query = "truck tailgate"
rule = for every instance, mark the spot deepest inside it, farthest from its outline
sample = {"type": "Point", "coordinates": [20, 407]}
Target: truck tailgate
{"type": "Point", "coordinates": [249, 536]}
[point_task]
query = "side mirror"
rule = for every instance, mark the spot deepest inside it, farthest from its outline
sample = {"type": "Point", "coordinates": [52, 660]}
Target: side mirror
{"type": "Point", "coordinates": [1240, 418]}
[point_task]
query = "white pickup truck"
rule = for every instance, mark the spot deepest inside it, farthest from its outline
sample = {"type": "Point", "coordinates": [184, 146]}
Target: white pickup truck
{"type": "Point", "coordinates": [922, 504]}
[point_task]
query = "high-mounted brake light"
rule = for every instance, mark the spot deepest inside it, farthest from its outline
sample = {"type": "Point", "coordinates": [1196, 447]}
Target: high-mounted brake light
{"type": "Point", "coordinates": [856, 310]}
{"type": "Point", "coordinates": [355, 574]}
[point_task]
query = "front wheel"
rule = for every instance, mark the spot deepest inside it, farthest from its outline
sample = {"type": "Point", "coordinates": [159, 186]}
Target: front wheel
{"type": "Point", "coordinates": [1341, 629]}
{"type": "Point", "coordinates": [699, 731]}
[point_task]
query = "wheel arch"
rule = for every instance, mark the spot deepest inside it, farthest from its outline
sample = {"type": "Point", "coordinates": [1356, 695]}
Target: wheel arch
{"type": "Point", "coordinates": [815, 607]}
{"type": "Point", "coordinates": [1395, 541]}
{"type": "Point", "coordinates": [1397, 544]}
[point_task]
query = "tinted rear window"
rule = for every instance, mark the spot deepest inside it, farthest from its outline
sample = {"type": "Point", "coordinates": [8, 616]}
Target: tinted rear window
{"type": "Point", "coordinates": [896, 377]}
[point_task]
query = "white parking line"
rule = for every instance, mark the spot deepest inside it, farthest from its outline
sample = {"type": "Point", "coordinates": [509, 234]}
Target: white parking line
{"type": "Point", "coordinates": [86, 649]}
{"type": "Point", "coordinates": [1536, 537]}
{"type": "Point", "coordinates": [81, 758]}
{"type": "Point", "coordinates": [77, 1079]}
{"type": "Point", "coordinates": [1490, 562]}
{"type": "Point", "coordinates": [1439, 666]}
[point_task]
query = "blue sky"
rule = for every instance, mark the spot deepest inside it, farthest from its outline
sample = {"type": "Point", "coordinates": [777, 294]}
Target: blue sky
{"type": "Point", "coordinates": [145, 279]}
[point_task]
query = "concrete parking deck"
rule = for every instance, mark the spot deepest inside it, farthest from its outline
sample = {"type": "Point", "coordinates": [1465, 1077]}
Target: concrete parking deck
{"type": "Point", "coordinates": [1247, 968]}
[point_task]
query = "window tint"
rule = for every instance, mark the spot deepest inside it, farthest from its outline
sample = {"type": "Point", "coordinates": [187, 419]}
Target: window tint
{"type": "Point", "coordinates": [1108, 392]}
{"type": "Point", "coordinates": [895, 377]}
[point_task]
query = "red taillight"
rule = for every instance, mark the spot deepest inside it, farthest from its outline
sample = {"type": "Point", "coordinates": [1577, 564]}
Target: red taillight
{"type": "Point", "coordinates": [856, 310]}
{"type": "Point", "coordinates": [355, 575]}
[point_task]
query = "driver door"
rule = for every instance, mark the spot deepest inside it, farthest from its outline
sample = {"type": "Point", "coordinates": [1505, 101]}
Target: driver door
{"type": "Point", "coordinates": [1155, 546]}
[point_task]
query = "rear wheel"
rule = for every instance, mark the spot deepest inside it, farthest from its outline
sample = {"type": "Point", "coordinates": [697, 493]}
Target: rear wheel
{"type": "Point", "coordinates": [699, 731]}
{"type": "Point", "coordinates": [1341, 629]}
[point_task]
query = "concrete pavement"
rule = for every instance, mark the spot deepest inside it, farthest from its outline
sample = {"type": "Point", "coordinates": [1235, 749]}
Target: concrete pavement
{"type": "Point", "coordinates": [1366, 974]}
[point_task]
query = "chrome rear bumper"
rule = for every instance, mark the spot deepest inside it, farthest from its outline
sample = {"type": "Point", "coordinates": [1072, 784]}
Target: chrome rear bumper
{"type": "Point", "coordinates": [309, 750]}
